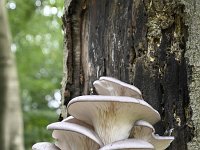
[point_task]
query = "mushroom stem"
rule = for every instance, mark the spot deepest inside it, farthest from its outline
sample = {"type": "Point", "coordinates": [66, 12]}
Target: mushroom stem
{"type": "Point", "coordinates": [113, 128]}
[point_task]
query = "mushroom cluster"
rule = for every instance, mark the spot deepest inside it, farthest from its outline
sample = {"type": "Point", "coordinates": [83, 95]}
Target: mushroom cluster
{"type": "Point", "coordinates": [117, 118]}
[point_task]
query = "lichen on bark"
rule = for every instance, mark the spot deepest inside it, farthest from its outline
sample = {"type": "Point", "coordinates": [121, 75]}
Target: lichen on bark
{"type": "Point", "coordinates": [192, 9]}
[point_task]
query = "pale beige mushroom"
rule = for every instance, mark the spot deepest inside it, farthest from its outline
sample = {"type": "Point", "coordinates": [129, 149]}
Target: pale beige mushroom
{"type": "Point", "coordinates": [44, 146]}
{"type": "Point", "coordinates": [145, 131]}
{"type": "Point", "coordinates": [73, 134]}
{"type": "Point", "coordinates": [114, 87]}
{"type": "Point", "coordinates": [131, 144]}
{"type": "Point", "coordinates": [112, 116]}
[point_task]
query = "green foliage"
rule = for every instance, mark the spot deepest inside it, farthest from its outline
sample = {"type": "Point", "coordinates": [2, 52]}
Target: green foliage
{"type": "Point", "coordinates": [36, 122]}
{"type": "Point", "coordinates": [38, 45]}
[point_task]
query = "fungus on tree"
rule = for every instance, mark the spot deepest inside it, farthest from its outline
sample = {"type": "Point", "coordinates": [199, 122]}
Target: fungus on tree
{"type": "Point", "coordinates": [108, 121]}
{"type": "Point", "coordinates": [114, 87]}
{"type": "Point", "coordinates": [44, 146]}
{"type": "Point", "coordinates": [131, 144]}
{"type": "Point", "coordinates": [72, 130]}
{"type": "Point", "coordinates": [145, 131]}
{"type": "Point", "coordinates": [108, 114]}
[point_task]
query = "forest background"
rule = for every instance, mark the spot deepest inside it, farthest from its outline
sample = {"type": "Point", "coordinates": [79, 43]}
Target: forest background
{"type": "Point", "coordinates": [37, 43]}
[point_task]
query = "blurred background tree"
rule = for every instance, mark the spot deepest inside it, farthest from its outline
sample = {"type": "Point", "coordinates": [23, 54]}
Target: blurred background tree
{"type": "Point", "coordinates": [38, 46]}
{"type": "Point", "coordinates": [11, 125]}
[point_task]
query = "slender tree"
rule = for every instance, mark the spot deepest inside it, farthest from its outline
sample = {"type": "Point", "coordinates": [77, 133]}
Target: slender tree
{"type": "Point", "coordinates": [151, 44]}
{"type": "Point", "coordinates": [11, 126]}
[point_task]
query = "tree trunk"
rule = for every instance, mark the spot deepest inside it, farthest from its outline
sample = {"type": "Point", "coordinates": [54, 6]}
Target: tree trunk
{"type": "Point", "coordinates": [142, 43]}
{"type": "Point", "coordinates": [11, 126]}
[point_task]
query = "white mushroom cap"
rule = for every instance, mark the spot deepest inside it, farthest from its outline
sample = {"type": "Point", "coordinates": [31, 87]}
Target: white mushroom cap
{"type": "Point", "coordinates": [131, 144]}
{"type": "Point", "coordinates": [145, 131]}
{"type": "Point", "coordinates": [71, 119]}
{"type": "Point", "coordinates": [68, 119]}
{"type": "Point", "coordinates": [111, 116]}
{"type": "Point", "coordinates": [44, 146]}
{"type": "Point", "coordinates": [114, 87]}
{"type": "Point", "coordinates": [74, 136]}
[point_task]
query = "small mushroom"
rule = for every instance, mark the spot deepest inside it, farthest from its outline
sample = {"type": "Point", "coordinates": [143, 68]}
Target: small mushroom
{"type": "Point", "coordinates": [74, 135]}
{"type": "Point", "coordinates": [112, 116]}
{"type": "Point", "coordinates": [44, 146]}
{"type": "Point", "coordinates": [131, 144]}
{"type": "Point", "coordinates": [145, 131]}
{"type": "Point", "coordinates": [114, 87]}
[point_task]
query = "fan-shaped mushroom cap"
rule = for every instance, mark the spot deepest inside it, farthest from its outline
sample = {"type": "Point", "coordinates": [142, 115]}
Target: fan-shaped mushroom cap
{"type": "Point", "coordinates": [145, 131]}
{"type": "Point", "coordinates": [74, 136]}
{"type": "Point", "coordinates": [111, 116]}
{"type": "Point", "coordinates": [114, 87]}
{"type": "Point", "coordinates": [44, 146]}
{"type": "Point", "coordinates": [131, 144]}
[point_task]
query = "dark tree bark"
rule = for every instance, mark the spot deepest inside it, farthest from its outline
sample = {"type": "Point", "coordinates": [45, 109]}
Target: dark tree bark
{"type": "Point", "coordinates": [139, 42]}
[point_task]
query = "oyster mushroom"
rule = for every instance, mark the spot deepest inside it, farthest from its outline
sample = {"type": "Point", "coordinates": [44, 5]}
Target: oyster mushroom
{"type": "Point", "coordinates": [112, 116]}
{"type": "Point", "coordinates": [114, 87]}
{"type": "Point", "coordinates": [145, 131]}
{"type": "Point", "coordinates": [131, 144]}
{"type": "Point", "coordinates": [44, 146]}
{"type": "Point", "coordinates": [72, 134]}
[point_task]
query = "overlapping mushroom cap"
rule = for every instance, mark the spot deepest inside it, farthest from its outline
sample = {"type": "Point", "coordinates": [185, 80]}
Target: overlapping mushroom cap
{"type": "Point", "coordinates": [108, 121]}
{"type": "Point", "coordinates": [114, 87]}
{"type": "Point", "coordinates": [145, 131]}
{"type": "Point", "coordinates": [108, 114]}
{"type": "Point", "coordinates": [44, 146]}
{"type": "Point", "coordinates": [131, 144]}
{"type": "Point", "coordinates": [73, 130]}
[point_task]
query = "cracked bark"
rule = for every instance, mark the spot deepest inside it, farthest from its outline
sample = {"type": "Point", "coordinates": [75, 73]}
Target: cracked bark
{"type": "Point", "coordinates": [139, 42]}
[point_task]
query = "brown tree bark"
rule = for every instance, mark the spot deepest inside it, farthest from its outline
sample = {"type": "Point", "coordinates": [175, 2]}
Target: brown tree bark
{"type": "Point", "coordinates": [139, 42]}
{"type": "Point", "coordinates": [11, 124]}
